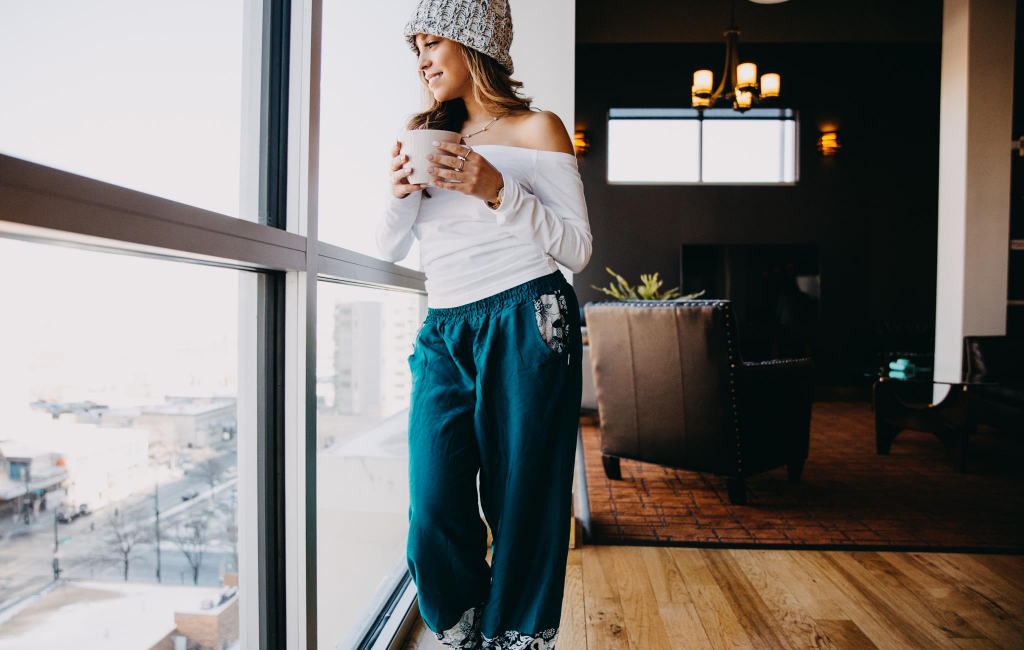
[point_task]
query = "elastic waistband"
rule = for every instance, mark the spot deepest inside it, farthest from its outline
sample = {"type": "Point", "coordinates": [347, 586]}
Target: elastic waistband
{"type": "Point", "coordinates": [514, 295]}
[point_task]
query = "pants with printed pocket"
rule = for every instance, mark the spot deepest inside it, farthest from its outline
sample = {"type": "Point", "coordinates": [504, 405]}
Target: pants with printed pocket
{"type": "Point", "coordinates": [496, 389]}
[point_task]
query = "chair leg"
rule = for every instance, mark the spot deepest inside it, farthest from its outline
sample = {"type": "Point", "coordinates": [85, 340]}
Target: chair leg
{"type": "Point", "coordinates": [885, 433]}
{"type": "Point", "coordinates": [795, 468]}
{"type": "Point", "coordinates": [737, 491]}
{"type": "Point", "coordinates": [611, 467]}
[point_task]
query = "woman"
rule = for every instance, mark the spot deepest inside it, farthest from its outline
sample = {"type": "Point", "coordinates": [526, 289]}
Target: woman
{"type": "Point", "coordinates": [496, 373]}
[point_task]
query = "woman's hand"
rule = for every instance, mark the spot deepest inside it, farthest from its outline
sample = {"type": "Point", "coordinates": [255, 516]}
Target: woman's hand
{"type": "Point", "coordinates": [477, 178]}
{"type": "Point", "coordinates": [400, 185]}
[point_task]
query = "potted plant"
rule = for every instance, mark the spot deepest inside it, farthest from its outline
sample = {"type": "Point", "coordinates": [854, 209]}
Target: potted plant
{"type": "Point", "coordinates": [649, 290]}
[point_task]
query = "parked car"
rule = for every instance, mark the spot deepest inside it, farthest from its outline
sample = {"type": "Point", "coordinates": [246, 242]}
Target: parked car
{"type": "Point", "coordinates": [67, 514]}
{"type": "Point", "coordinates": [191, 494]}
{"type": "Point", "coordinates": [84, 509]}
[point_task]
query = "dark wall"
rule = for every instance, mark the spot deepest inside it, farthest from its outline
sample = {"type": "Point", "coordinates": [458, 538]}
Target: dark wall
{"type": "Point", "coordinates": [795, 21]}
{"type": "Point", "coordinates": [872, 209]}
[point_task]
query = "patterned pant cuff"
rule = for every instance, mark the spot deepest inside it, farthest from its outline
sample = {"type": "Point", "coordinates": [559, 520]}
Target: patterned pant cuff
{"type": "Point", "coordinates": [513, 640]}
{"type": "Point", "coordinates": [464, 635]}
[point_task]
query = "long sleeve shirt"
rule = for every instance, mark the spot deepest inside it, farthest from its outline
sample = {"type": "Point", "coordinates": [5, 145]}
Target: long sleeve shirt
{"type": "Point", "coordinates": [470, 251]}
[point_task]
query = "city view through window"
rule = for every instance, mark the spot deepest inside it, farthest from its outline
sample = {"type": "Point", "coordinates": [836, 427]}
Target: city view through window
{"type": "Point", "coordinates": [118, 451]}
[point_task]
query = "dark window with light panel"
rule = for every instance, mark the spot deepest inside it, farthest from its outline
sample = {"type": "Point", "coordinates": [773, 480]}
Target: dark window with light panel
{"type": "Point", "coordinates": [687, 146]}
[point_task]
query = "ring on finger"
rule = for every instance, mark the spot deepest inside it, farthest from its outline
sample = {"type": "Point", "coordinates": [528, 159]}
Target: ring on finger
{"type": "Point", "coordinates": [462, 162]}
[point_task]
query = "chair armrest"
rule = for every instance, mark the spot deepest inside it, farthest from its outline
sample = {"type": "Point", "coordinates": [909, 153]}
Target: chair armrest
{"type": "Point", "coordinates": [774, 410]}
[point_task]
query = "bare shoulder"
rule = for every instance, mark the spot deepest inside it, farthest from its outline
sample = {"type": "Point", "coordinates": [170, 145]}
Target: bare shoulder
{"type": "Point", "coordinates": [544, 130]}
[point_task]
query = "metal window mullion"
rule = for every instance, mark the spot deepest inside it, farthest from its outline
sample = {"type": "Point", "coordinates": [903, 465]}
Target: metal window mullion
{"type": "Point", "coordinates": [270, 456]}
{"type": "Point", "coordinates": [274, 113]}
{"type": "Point", "coordinates": [272, 332]}
{"type": "Point", "coordinates": [300, 451]}
{"type": "Point", "coordinates": [339, 263]}
{"type": "Point", "coordinates": [54, 206]}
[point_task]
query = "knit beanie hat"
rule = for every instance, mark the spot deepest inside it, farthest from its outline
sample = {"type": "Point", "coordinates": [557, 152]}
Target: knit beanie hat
{"type": "Point", "coordinates": [484, 25]}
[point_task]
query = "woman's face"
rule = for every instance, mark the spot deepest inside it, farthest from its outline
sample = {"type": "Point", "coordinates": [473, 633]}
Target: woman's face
{"type": "Point", "coordinates": [437, 54]}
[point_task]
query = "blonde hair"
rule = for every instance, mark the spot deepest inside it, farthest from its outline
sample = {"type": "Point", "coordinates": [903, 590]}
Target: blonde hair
{"type": "Point", "coordinates": [493, 87]}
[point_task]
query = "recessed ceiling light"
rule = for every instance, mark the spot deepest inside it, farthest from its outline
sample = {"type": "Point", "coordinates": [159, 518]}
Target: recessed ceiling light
{"type": "Point", "coordinates": [767, 2]}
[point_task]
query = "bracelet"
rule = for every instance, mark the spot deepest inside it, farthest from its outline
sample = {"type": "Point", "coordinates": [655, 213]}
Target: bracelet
{"type": "Point", "coordinates": [494, 205]}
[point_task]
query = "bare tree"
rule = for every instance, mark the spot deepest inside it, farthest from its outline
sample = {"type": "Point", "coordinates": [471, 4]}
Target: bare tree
{"type": "Point", "coordinates": [126, 533]}
{"type": "Point", "coordinates": [227, 513]}
{"type": "Point", "coordinates": [211, 470]}
{"type": "Point", "coordinates": [192, 537]}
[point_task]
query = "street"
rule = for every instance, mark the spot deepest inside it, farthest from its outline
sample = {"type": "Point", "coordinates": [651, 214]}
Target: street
{"type": "Point", "coordinates": [26, 551]}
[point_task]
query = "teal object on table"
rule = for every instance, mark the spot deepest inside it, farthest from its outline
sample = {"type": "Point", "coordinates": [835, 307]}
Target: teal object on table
{"type": "Point", "coordinates": [902, 369]}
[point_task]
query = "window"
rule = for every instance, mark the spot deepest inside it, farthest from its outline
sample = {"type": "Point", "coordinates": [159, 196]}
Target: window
{"type": "Point", "coordinates": [361, 117]}
{"type": "Point", "coordinates": [662, 146]}
{"type": "Point", "coordinates": [363, 387]}
{"type": "Point", "coordinates": [119, 411]}
{"type": "Point", "coordinates": [139, 94]}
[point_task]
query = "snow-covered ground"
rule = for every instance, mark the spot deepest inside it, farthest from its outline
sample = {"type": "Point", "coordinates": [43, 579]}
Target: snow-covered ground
{"type": "Point", "coordinates": [100, 615]}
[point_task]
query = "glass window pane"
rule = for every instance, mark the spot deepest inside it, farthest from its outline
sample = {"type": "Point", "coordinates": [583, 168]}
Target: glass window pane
{"type": "Point", "coordinates": [789, 152]}
{"type": "Point", "coordinates": [364, 339]}
{"type": "Point", "coordinates": [748, 151]}
{"type": "Point", "coordinates": [370, 67]}
{"type": "Point", "coordinates": [653, 151]}
{"type": "Point", "coordinates": [118, 446]}
{"type": "Point", "coordinates": [146, 95]}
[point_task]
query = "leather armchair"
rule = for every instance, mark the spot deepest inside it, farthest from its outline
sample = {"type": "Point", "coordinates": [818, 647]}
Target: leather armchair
{"type": "Point", "coordinates": [672, 390]}
{"type": "Point", "coordinates": [993, 370]}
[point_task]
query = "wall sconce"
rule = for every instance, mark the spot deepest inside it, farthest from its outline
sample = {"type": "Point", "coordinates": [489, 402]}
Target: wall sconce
{"type": "Point", "coordinates": [828, 144]}
{"type": "Point", "coordinates": [580, 142]}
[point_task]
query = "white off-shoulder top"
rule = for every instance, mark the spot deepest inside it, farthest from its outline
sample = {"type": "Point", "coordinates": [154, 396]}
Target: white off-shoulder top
{"type": "Point", "coordinates": [470, 251]}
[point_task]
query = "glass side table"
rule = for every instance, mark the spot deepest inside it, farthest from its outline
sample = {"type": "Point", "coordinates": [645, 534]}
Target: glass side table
{"type": "Point", "coordinates": [898, 406]}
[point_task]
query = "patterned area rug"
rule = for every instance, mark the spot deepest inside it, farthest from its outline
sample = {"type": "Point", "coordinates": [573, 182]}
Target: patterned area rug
{"type": "Point", "coordinates": [849, 497]}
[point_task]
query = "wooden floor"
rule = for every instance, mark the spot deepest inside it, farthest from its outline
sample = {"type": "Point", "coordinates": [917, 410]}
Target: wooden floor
{"type": "Point", "coordinates": [649, 598]}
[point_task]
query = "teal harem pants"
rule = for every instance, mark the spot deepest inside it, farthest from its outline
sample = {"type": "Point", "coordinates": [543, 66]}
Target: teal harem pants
{"type": "Point", "coordinates": [496, 388]}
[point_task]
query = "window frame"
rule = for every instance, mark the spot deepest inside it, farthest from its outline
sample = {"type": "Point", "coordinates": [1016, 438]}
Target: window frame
{"type": "Point", "coordinates": [702, 115]}
{"type": "Point", "coordinates": [275, 239]}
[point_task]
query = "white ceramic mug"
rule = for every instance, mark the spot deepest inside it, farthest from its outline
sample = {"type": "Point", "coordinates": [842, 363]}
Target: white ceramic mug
{"type": "Point", "coordinates": [416, 145]}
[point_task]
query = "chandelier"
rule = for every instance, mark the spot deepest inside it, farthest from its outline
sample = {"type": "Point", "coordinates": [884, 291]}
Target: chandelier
{"type": "Point", "coordinates": [738, 86]}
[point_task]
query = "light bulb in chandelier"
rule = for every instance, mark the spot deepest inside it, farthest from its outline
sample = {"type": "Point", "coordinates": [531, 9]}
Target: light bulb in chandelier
{"type": "Point", "coordinates": [702, 82]}
{"type": "Point", "coordinates": [746, 76]}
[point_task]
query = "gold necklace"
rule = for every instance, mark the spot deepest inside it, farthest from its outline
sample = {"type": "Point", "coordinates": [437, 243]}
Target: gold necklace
{"type": "Point", "coordinates": [483, 129]}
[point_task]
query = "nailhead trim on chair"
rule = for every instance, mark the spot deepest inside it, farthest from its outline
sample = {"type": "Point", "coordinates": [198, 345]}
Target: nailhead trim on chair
{"type": "Point", "coordinates": [732, 380]}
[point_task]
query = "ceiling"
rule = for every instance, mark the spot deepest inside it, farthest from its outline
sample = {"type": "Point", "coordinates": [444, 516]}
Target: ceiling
{"type": "Point", "coordinates": [795, 21]}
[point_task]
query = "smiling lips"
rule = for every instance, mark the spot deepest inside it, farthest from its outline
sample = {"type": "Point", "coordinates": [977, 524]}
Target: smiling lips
{"type": "Point", "coordinates": [432, 79]}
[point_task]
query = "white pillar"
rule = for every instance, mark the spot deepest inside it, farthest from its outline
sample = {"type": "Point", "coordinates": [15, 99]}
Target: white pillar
{"type": "Point", "coordinates": [974, 177]}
